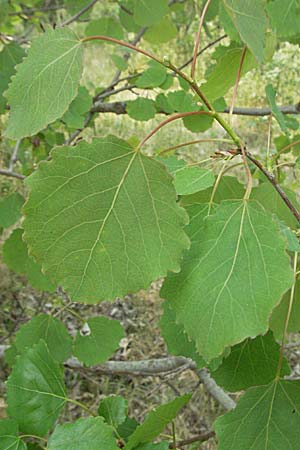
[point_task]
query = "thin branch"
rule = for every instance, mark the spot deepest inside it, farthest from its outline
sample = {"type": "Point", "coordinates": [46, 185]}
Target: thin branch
{"type": "Point", "coordinates": [171, 119]}
{"type": "Point", "coordinates": [10, 173]}
{"type": "Point", "coordinates": [216, 391]}
{"type": "Point", "coordinates": [197, 41]}
{"type": "Point", "coordinates": [203, 437]}
{"type": "Point", "coordinates": [210, 44]}
{"type": "Point", "coordinates": [14, 155]}
{"type": "Point", "coordinates": [79, 14]}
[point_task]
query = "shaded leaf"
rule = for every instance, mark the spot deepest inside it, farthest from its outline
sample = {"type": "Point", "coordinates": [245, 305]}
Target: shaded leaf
{"type": "Point", "coordinates": [127, 428]}
{"type": "Point", "coordinates": [103, 219]}
{"type": "Point", "coordinates": [10, 209]}
{"type": "Point", "coordinates": [149, 12]}
{"type": "Point", "coordinates": [267, 196]}
{"type": "Point", "coordinates": [45, 83]}
{"type": "Point", "coordinates": [114, 410]}
{"type": "Point", "coordinates": [161, 32]}
{"type": "Point", "coordinates": [11, 55]}
{"type": "Point", "coordinates": [266, 418]}
{"type": "Point", "coordinates": [53, 333]}
{"type": "Point", "coordinates": [253, 362]}
{"type": "Point", "coordinates": [154, 76]}
{"type": "Point", "coordinates": [100, 343]}
{"type": "Point", "coordinates": [279, 314]}
{"type": "Point", "coordinates": [106, 26]}
{"type": "Point", "coordinates": [141, 109]}
{"type": "Point", "coordinates": [76, 114]}
{"type": "Point", "coordinates": [15, 255]}
{"type": "Point", "coordinates": [284, 17]}
{"type": "Point", "coordinates": [231, 279]}
{"type": "Point", "coordinates": [251, 22]}
{"type": "Point", "coordinates": [35, 391]}
{"type": "Point", "coordinates": [177, 341]}
{"type": "Point", "coordinates": [85, 434]}
{"type": "Point", "coordinates": [156, 421]}
{"type": "Point", "coordinates": [271, 94]}
{"type": "Point", "coordinates": [9, 439]}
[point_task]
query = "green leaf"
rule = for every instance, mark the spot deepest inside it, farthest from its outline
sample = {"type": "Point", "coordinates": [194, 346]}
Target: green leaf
{"type": "Point", "coordinates": [149, 12]}
{"type": "Point", "coordinates": [198, 124]}
{"type": "Point", "coordinates": [11, 55]}
{"type": "Point", "coordinates": [159, 446]}
{"type": "Point", "coordinates": [177, 341]}
{"type": "Point", "coordinates": [279, 314]}
{"type": "Point", "coordinates": [284, 17]}
{"type": "Point", "coordinates": [127, 428]}
{"type": "Point", "coordinates": [35, 391]}
{"type": "Point", "coordinates": [228, 189]}
{"type": "Point", "coordinates": [101, 342]}
{"type": "Point", "coordinates": [103, 219]}
{"type": "Point", "coordinates": [10, 209]}
{"type": "Point", "coordinates": [152, 77]}
{"type": "Point", "coordinates": [268, 197]}
{"type": "Point", "coordinates": [105, 26]}
{"type": "Point", "coordinates": [126, 19]}
{"type": "Point", "coordinates": [51, 330]}
{"type": "Point", "coordinates": [292, 241]}
{"type": "Point", "coordinates": [234, 274]}
{"type": "Point", "coordinates": [141, 109]}
{"type": "Point", "coordinates": [253, 362]}
{"type": "Point", "coordinates": [15, 256]}
{"type": "Point", "coordinates": [156, 421]}
{"type": "Point", "coordinates": [266, 418]}
{"type": "Point", "coordinates": [45, 83]}
{"type": "Point", "coordinates": [9, 439]}
{"type": "Point", "coordinates": [190, 179]}
{"type": "Point", "coordinates": [251, 22]}
{"type": "Point", "coordinates": [114, 410]}
{"type": "Point", "coordinates": [76, 114]}
{"type": "Point", "coordinates": [182, 101]}
{"type": "Point", "coordinates": [223, 75]}
{"type": "Point", "coordinates": [85, 434]}
{"type": "Point", "coordinates": [120, 63]}
{"type": "Point", "coordinates": [271, 94]}
{"type": "Point", "coordinates": [161, 32]}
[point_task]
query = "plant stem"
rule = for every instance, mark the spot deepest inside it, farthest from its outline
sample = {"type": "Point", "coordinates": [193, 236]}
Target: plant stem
{"type": "Point", "coordinates": [198, 141]}
{"type": "Point", "coordinates": [197, 42]}
{"type": "Point", "coordinates": [81, 405]}
{"type": "Point", "coordinates": [171, 119]}
{"type": "Point", "coordinates": [287, 317]}
{"type": "Point", "coordinates": [217, 182]}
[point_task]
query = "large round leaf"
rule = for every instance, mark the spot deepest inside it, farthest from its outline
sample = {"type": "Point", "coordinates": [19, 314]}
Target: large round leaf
{"type": "Point", "coordinates": [103, 220]}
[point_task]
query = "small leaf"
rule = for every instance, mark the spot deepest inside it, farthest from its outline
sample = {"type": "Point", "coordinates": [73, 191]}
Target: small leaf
{"type": "Point", "coordinates": [223, 75]}
{"type": "Point", "coordinates": [45, 83]}
{"type": "Point", "coordinates": [271, 94]}
{"type": "Point", "coordinates": [198, 124]}
{"type": "Point", "coordinates": [266, 418]}
{"type": "Point", "coordinates": [9, 439]}
{"type": "Point", "coordinates": [76, 114]}
{"type": "Point", "coordinates": [284, 17]}
{"type": "Point", "coordinates": [232, 277]}
{"type": "Point", "coordinates": [189, 180]}
{"type": "Point", "coordinates": [11, 55]}
{"type": "Point", "coordinates": [101, 343]}
{"type": "Point", "coordinates": [251, 22]}
{"type": "Point", "coordinates": [267, 196]}
{"type": "Point", "coordinates": [253, 362]}
{"type": "Point", "coordinates": [161, 32]}
{"type": "Point", "coordinates": [51, 330]}
{"type": "Point", "coordinates": [15, 255]}
{"type": "Point", "coordinates": [141, 109]}
{"type": "Point", "coordinates": [103, 220]}
{"type": "Point", "coordinates": [177, 341]}
{"type": "Point", "coordinates": [279, 314]}
{"type": "Point", "coordinates": [114, 410]}
{"type": "Point", "coordinates": [106, 26]}
{"type": "Point", "coordinates": [156, 421]}
{"type": "Point", "coordinates": [149, 12]}
{"type": "Point", "coordinates": [10, 209]}
{"type": "Point", "coordinates": [35, 391]}
{"type": "Point", "coordinates": [85, 434]}
{"type": "Point", "coordinates": [153, 77]}
{"type": "Point", "coordinates": [127, 428]}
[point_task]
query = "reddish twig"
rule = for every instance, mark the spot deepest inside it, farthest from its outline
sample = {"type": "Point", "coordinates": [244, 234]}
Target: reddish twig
{"type": "Point", "coordinates": [197, 42]}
